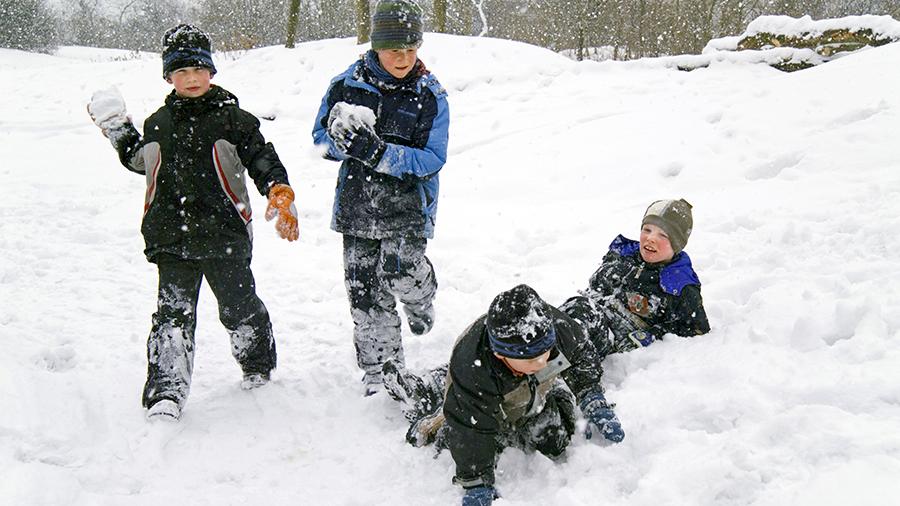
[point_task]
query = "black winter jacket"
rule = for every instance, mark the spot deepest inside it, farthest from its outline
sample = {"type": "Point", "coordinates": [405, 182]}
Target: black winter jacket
{"type": "Point", "coordinates": [480, 386]}
{"type": "Point", "coordinates": [194, 154]}
{"type": "Point", "coordinates": [665, 297]}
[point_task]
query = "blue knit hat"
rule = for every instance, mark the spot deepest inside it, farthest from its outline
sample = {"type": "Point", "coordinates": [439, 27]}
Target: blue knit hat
{"type": "Point", "coordinates": [186, 46]}
{"type": "Point", "coordinates": [397, 24]}
{"type": "Point", "coordinates": [519, 325]}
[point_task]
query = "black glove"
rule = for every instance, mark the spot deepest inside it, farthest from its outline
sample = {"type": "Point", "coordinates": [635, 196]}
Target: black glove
{"type": "Point", "coordinates": [349, 127]}
{"type": "Point", "coordinates": [363, 144]}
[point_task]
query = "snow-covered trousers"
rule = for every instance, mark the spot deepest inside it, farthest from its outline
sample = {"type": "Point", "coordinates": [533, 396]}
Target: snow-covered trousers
{"type": "Point", "coordinates": [170, 347]}
{"type": "Point", "coordinates": [594, 323]}
{"type": "Point", "coordinates": [376, 273]}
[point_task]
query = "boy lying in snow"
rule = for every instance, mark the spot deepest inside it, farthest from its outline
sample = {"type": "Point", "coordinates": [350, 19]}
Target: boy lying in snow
{"type": "Point", "coordinates": [644, 289]}
{"type": "Point", "coordinates": [514, 379]}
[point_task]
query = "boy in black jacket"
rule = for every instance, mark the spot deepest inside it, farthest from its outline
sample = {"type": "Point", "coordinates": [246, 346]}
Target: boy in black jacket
{"type": "Point", "coordinates": [197, 215]}
{"type": "Point", "coordinates": [644, 289]}
{"type": "Point", "coordinates": [515, 376]}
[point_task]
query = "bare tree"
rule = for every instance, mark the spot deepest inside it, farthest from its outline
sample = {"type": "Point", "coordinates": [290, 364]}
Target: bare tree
{"type": "Point", "coordinates": [293, 15]}
{"type": "Point", "coordinates": [440, 15]}
{"type": "Point", "coordinates": [363, 20]}
{"type": "Point", "coordinates": [28, 25]}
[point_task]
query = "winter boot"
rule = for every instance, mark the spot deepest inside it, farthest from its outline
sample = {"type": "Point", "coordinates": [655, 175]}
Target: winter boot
{"type": "Point", "coordinates": [420, 318]}
{"type": "Point", "coordinates": [164, 409]}
{"type": "Point", "coordinates": [254, 380]}
{"type": "Point", "coordinates": [425, 430]}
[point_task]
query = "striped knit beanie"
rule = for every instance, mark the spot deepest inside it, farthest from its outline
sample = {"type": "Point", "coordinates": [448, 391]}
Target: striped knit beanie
{"type": "Point", "coordinates": [397, 24]}
{"type": "Point", "coordinates": [186, 46]}
{"type": "Point", "coordinates": [519, 324]}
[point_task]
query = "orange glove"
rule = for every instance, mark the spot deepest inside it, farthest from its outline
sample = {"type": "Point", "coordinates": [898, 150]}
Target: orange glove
{"type": "Point", "coordinates": [281, 204]}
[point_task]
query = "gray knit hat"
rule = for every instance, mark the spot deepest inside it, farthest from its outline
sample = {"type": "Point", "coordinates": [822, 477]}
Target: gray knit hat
{"type": "Point", "coordinates": [397, 24]}
{"type": "Point", "coordinates": [674, 217]}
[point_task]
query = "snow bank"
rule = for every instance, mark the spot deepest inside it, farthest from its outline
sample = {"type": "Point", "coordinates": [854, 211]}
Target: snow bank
{"type": "Point", "coordinates": [791, 399]}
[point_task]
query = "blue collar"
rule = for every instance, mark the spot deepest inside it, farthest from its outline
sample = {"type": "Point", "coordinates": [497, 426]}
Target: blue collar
{"type": "Point", "coordinates": [374, 67]}
{"type": "Point", "coordinates": [673, 276]}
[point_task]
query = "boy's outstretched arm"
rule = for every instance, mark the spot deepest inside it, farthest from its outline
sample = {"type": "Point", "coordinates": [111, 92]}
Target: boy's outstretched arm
{"type": "Point", "coordinates": [107, 110]}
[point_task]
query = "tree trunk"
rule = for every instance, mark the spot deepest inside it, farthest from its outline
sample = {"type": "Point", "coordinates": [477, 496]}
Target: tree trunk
{"type": "Point", "coordinates": [440, 16]}
{"type": "Point", "coordinates": [293, 15]}
{"type": "Point", "coordinates": [362, 21]}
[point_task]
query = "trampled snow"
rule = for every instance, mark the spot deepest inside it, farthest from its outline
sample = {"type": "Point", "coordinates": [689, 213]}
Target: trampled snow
{"type": "Point", "coordinates": [792, 398]}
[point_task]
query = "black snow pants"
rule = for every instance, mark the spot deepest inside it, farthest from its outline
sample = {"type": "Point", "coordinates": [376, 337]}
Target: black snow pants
{"type": "Point", "coordinates": [170, 347]}
{"type": "Point", "coordinates": [376, 274]}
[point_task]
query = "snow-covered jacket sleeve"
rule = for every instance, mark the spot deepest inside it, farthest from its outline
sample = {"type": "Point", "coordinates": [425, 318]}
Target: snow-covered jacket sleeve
{"type": "Point", "coordinates": [472, 402]}
{"type": "Point", "coordinates": [399, 160]}
{"type": "Point", "coordinates": [686, 317]}
{"type": "Point", "coordinates": [583, 376]}
{"type": "Point", "coordinates": [128, 144]}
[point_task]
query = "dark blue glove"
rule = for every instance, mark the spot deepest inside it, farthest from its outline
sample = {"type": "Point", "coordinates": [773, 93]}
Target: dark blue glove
{"type": "Point", "coordinates": [482, 495]}
{"type": "Point", "coordinates": [363, 144]}
{"type": "Point", "coordinates": [601, 418]}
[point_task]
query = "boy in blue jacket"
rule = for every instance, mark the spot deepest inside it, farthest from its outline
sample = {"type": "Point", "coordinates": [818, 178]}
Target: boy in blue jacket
{"type": "Point", "coordinates": [386, 120]}
{"type": "Point", "coordinates": [644, 289]}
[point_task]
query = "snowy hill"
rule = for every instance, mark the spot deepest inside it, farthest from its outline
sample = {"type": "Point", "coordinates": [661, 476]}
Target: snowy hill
{"type": "Point", "coordinates": [792, 398]}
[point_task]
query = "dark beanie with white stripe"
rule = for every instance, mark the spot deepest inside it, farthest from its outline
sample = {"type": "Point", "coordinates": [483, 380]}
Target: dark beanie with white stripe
{"type": "Point", "coordinates": [186, 46]}
{"type": "Point", "coordinates": [674, 217]}
{"type": "Point", "coordinates": [519, 324]}
{"type": "Point", "coordinates": [397, 24]}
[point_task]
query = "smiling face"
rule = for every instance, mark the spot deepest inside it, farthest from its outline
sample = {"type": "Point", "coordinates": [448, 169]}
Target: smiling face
{"type": "Point", "coordinates": [190, 82]}
{"type": "Point", "coordinates": [523, 366]}
{"type": "Point", "coordinates": [655, 245]}
{"type": "Point", "coordinates": [398, 62]}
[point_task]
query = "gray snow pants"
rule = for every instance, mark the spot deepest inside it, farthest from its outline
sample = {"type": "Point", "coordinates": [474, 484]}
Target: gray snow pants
{"type": "Point", "coordinates": [170, 347]}
{"type": "Point", "coordinates": [376, 273]}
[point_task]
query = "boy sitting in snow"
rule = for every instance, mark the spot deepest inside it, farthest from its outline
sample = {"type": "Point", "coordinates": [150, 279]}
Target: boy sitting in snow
{"type": "Point", "coordinates": [644, 289]}
{"type": "Point", "coordinates": [515, 376]}
{"type": "Point", "coordinates": [197, 215]}
{"type": "Point", "coordinates": [386, 119]}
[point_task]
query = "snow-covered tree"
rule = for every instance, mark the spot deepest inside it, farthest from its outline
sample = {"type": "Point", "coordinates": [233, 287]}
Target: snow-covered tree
{"type": "Point", "coordinates": [27, 24]}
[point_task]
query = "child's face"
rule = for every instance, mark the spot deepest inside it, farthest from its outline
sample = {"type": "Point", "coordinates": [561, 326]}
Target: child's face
{"type": "Point", "coordinates": [190, 82]}
{"type": "Point", "coordinates": [522, 366]}
{"type": "Point", "coordinates": [398, 62]}
{"type": "Point", "coordinates": [655, 245]}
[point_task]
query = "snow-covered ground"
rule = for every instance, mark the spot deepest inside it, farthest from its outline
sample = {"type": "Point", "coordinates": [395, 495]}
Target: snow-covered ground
{"type": "Point", "coordinates": [793, 398]}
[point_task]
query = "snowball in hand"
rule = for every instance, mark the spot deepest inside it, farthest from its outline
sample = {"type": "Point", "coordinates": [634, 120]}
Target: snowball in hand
{"type": "Point", "coordinates": [107, 109]}
{"type": "Point", "coordinates": [346, 117]}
